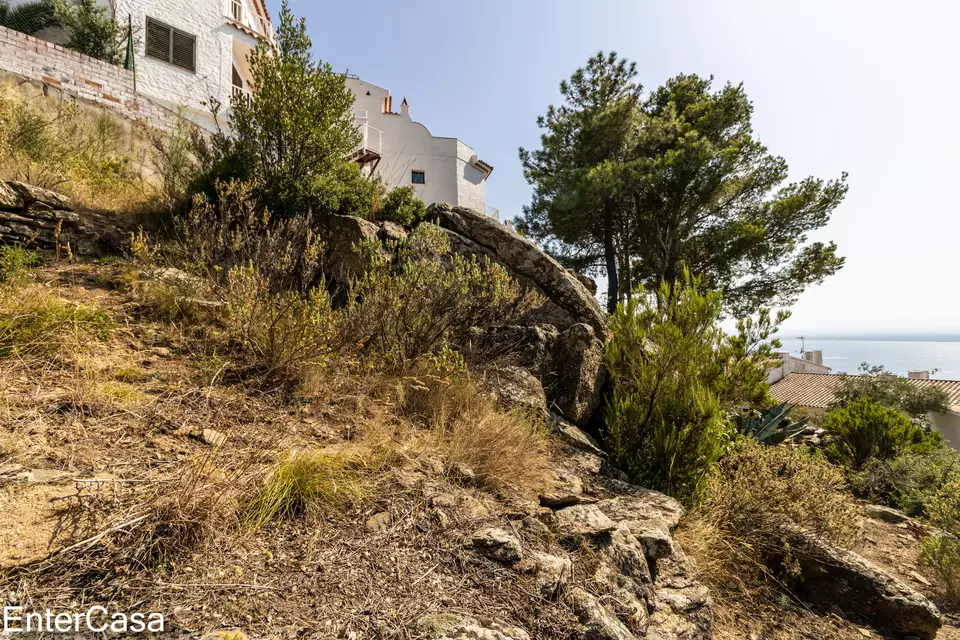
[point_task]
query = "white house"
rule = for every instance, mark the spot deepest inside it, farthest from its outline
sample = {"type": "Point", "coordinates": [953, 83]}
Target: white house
{"type": "Point", "coordinates": [812, 362]}
{"type": "Point", "coordinates": [404, 152]}
{"type": "Point", "coordinates": [189, 51]}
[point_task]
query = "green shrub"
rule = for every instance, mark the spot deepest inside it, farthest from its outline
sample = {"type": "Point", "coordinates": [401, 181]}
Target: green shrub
{"type": "Point", "coordinates": [907, 482]}
{"type": "Point", "coordinates": [403, 207]}
{"type": "Point", "coordinates": [893, 391]}
{"type": "Point", "coordinates": [304, 483]}
{"type": "Point", "coordinates": [91, 29]}
{"type": "Point", "coordinates": [865, 429]}
{"type": "Point", "coordinates": [416, 305]}
{"type": "Point", "coordinates": [15, 261]}
{"type": "Point", "coordinates": [941, 551]}
{"type": "Point", "coordinates": [28, 17]}
{"type": "Point", "coordinates": [664, 424]}
{"type": "Point", "coordinates": [38, 324]}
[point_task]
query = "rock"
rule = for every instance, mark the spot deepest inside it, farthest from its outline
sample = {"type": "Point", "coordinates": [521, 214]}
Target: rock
{"type": "Point", "coordinates": [463, 472]}
{"type": "Point", "coordinates": [530, 347]}
{"type": "Point", "coordinates": [649, 516]}
{"type": "Point", "coordinates": [535, 527]}
{"type": "Point", "coordinates": [682, 608]}
{"type": "Point", "coordinates": [31, 194]}
{"type": "Point", "coordinates": [521, 256]}
{"type": "Point", "coordinates": [585, 280]}
{"type": "Point", "coordinates": [551, 572]}
{"type": "Point", "coordinates": [341, 235]}
{"type": "Point", "coordinates": [391, 232]}
{"type": "Point", "coordinates": [9, 199]}
{"type": "Point", "coordinates": [379, 522]}
{"type": "Point", "coordinates": [566, 491]}
{"type": "Point", "coordinates": [836, 578]}
{"type": "Point", "coordinates": [583, 520]}
{"type": "Point", "coordinates": [213, 437]}
{"type": "Point", "coordinates": [580, 374]}
{"type": "Point", "coordinates": [498, 545]}
{"type": "Point", "coordinates": [457, 626]}
{"type": "Point", "coordinates": [886, 514]}
{"type": "Point", "coordinates": [622, 566]}
{"type": "Point", "coordinates": [574, 436]}
{"type": "Point", "coordinates": [514, 387]}
{"type": "Point", "coordinates": [598, 623]}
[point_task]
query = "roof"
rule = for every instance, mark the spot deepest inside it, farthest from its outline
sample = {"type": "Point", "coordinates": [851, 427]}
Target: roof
{"type": "Point", "coordinates": [816, 390]}
{"type": "Point", "coordinates": [261, 6]}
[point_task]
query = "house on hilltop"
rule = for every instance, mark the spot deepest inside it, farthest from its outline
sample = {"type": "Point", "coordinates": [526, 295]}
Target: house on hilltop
{"type": "Point", "coordinates": [189, 51]}
{"type": "Point", "coordinates": [817, 391]}
{"type": "Point", "coordinates": [403, 152]}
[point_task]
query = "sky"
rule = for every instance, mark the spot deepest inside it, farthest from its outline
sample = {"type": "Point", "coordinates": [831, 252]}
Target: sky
{"type": "Point", "coordinates": [863, 86]}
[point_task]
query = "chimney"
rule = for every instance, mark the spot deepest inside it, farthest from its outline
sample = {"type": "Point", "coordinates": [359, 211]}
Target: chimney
{"type": "Point", "coordinates": [405, 108]}
{"type": "Point", "coordinates": [815, 357]}
{"type": "Point", "coordinates": [918, 375]}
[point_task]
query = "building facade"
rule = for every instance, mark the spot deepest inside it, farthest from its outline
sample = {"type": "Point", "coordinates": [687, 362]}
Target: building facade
{"type": "Point", "coordinates": [403, 152]}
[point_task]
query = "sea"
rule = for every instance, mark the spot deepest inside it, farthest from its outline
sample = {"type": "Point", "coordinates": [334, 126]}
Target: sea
{"type": "Point", "coordinates": [898, 354]}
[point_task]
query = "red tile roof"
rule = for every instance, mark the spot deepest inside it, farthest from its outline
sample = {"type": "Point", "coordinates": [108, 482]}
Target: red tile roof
{"type": "Point", "coordinates": [817, 390]}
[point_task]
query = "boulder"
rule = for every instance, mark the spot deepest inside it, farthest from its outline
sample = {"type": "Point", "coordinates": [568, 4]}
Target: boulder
{"type": "Point", "coordinates": [513, 387]}
{"type": "Point", "coordinates": [580, 374]}
{"type": "Point", "coordinates": [886, 514]}
{"type": "Point", "coordinates": [341, 234]}
{"type": "Point", "coordinates": [31, 194]}
{"type": "Point", "coordinates": [598, 622]}
{"type": "Point", "coordinates": [391, 232]}
{"type": "Point", "coordinates": [682, 609]}
{"type": "Point", "coordinates": [9, 198]}
{"type": "Point", "coordinates": [575, 436]}
{"type": "Point", "coordinates": [622, 566]}
{"type": "Point", "coordinates": [522, 257]}
{"type": "Point", "coordinates": [650, 516]}
{"type": "Point", "coordinates": [835, 578]}
{"type": "Point", "coordinates": [497, 545]}
{"type": "Point", "coordinates": [583, 520]}
{"type": "Point", "coordinates": [530, 347]}
{"type": "Point", "coordinates": [550, 572]}
{"type": "Point", "coordinates": [458, 626]}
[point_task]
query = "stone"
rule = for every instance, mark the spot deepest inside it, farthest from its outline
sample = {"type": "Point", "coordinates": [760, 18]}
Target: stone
{"type": "Point", "coordinates": [514, 387]}
{"type": "Point", "coordinates": [497, 545]}
{"type": "Point", "coordinates": [535, 527]}
{"type": "Point", "coordinates": [341, 235]}
{"type": "Point", "coordinates": [391, 232]}
{"type": "Point", "coordinates": [622, 565]}
{"type": "Point", "coordinates": [835, 578]}
{"type": "Point", "coordinates": [521, 256]}
{"type": "Point", "coordinates": [585, 280]}
{"type": "Point", "coordinates": [682, 608]}
{"type": "Point", "coordinates": [530, 347]}
{"type": "Point", "coordinates": [31, 194]}
{"type": "Point", "coordinates": [575, 436]}
{"type": "Point", "coordinates": [581, 374]}
{"type": "Point", "coordinates": [213, 437]}
{"type": "Point", "coordinates": [650, 516]}
{"type": "Point", "coordinates": [583, 520]}
{"type": "Point", "coordinates": [598, 623]}
{"type": "Point", "coordinates": [550, 572]}
{"type": "Point", "coordinates": [379, 522]}
{"type": "Point", "coordinates": [886, 514]}
{"type": "Point", "coordinates": [9, 198]}
{"type": "Point", "coordinates": [458, 626]}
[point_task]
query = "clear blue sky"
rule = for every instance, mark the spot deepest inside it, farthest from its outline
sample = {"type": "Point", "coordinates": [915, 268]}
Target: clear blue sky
{"type": "Point", "coordinates": [866, 86]}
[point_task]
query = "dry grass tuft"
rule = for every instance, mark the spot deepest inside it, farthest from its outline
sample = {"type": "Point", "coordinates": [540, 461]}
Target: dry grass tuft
{"type": "Point", "coordinates": [34, 322]}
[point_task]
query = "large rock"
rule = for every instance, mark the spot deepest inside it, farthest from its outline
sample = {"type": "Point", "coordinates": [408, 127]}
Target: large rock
{"type": "Point", "coordinates": [598, 622]}
{"type": "Point", "coordinates": [835, 578]}
{"type": "Point", "coordinates": [9, 198]}
{"type": "Point", "coordinates": [583, 521]}
{"type": "Point", "coordinates": [341, 236]}
{"type": "Point", "coordinates": [514, 387]}
{"type": "Point", "coordinates": [682, 608]}
{"type": "Point", "coordinates": [31, 194]}
{"type": "Point", "coordinates": [458, 626]}
{"type": "Point", "coordinates": [650, 516]}
{"type": "Point", "coordinates": [522, 257]}
{"type": "Point", "coordinates": [498, 545]}
{"type": "Point", "coordinates": [550, 572]}
{"type": "Point", "coordinates": [580, 373]}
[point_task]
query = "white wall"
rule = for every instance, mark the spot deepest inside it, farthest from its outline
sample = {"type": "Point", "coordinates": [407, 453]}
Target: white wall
{"type": "Point", "coordinates": [408, 146]}
{"type": "Point", "coordinates": [949, 425]}
{"type": "Point", "coordinates": [789, 364]}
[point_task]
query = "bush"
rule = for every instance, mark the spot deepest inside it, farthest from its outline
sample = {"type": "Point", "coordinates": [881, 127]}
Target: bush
{"type": "Point", "coordinates": [34, 323]}
{"type": "Point", "coordinates": [664, 424]}
{"type": "Point", "coordinates": [92, 30]}
{"type": "Point", "coordinates": [907, 482]}
{"type": "Point", "coordinates": [15, 261]}
{"type": "Point", "coordinates": [403, 207]}
{"type": "Point", "coordinates": [891, 391]}
{"type": "Point", "coordinates": [304, 483]}
{"type": "Point", "coordinates": [404, 310]}
{"type": "Point", "coordinates": [941, 552]}
{"type": "Point", "coordinates": [865, 429]}
{"type": "Point", "coordinates": [739, 534]}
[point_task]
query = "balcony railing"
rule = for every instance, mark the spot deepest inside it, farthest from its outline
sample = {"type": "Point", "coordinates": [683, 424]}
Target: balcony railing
{"type": "Point", "coordinates": [238, 13]}
{"type": "Point", "coordinates": [242, 95]}
{"type": "Point", "coordinates": [371, 141]}
{"type": "Point", "coordinates": [493, 212]}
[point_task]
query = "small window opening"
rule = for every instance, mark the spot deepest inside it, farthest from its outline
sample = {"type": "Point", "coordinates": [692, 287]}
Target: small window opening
{"type": "Point", "coordinates": [418, 177]}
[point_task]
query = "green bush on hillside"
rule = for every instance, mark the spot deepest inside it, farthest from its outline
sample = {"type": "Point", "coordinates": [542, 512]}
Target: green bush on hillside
{"type": "Point", "coordinates": [893, 391]}
{"type": "Point", "coordinates": [865, 430]}
{"type": "Point", "coordinates": [941, 551]}
{"type": "Point", "coordinates": [907, 482]}
{"type": "Point", "coordinates": [403, 207]}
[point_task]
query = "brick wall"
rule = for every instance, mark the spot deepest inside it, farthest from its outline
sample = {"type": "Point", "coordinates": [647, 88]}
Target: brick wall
{"type": "Point", "coordinates": [79, 75]}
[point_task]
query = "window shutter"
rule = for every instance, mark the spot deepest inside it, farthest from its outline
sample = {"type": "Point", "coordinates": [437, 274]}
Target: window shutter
{"type": "Point", "coordinates": [184, 50]}
{"type": "Point", "coordinates": [158, 40]}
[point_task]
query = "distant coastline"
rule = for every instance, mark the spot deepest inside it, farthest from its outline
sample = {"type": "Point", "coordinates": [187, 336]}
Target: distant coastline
{"type": "Point", "coordinates": [875, 337]}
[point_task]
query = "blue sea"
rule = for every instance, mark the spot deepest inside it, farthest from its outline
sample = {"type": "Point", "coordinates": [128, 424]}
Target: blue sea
{"type": "Point", "coordinates": [844, 355]}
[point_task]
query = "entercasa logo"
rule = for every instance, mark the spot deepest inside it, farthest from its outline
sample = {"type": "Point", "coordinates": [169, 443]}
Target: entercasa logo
{"type": "Point", "coordinates": [96, 619]}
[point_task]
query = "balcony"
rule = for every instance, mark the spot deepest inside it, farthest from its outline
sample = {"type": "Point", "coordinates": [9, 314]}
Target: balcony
{"type": "Point", "coordinates": [493, 212]}
{"type": "Point", "coordinates": [249, 21]}
{"type": "Point", "coordinates": [240, 94]}
{"type": "Point", "coordinates": [371, 144]}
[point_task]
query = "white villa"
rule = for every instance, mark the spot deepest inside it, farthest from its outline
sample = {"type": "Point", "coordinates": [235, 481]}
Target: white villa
{"type": "Point", "coordinates": [404, 152]}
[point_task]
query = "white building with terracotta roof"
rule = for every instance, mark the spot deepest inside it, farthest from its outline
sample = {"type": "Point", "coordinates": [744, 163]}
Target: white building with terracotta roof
{"type": "Point", "coordinates": [403, 152]}
{"type": "Point", "coordinates": [817, 391]}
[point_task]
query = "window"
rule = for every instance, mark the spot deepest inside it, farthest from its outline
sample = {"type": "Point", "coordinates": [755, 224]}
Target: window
{"type": "Point", "coordinates": [418, 177]}
{"type": "Point", "coordinates": [171, 45]}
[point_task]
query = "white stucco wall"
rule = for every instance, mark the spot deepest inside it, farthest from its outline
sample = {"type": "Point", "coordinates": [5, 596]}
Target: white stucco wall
{"type": "Point", "coordinates": [408, 146]}
{"type": "Point", "coordinates": [949, 425]}
{"type": "Point", "coordinates": [789, 364]}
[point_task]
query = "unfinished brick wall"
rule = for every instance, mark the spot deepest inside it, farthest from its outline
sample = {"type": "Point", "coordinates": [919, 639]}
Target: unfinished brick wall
{"type": "Point", "coordinates": [79, 75]}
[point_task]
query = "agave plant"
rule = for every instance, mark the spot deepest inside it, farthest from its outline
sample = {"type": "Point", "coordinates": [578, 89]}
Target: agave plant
{"type": "Point", "coordinates": [773, 426]}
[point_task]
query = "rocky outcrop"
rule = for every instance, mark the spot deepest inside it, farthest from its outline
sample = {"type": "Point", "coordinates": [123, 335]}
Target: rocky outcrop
{"type": "Point", "coordinates": [485, 236]}
{"type": "Point", "coordinates": [835, 578]}
{"type": "Point", "coordinates": [342, 236]}
{"type": "Point", "coordinates": [456, 626]}
{"type": "Point", "coordinates": [42, 219]}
